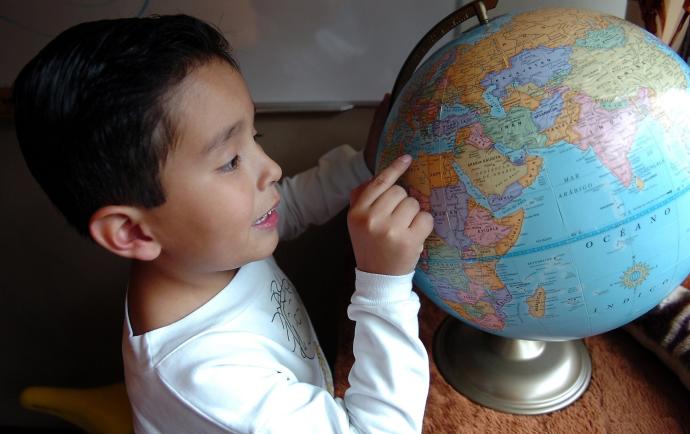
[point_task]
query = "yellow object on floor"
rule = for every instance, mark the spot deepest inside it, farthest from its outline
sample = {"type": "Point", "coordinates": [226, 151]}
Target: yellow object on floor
{"type": "Point", "coordinates": [99, 410]}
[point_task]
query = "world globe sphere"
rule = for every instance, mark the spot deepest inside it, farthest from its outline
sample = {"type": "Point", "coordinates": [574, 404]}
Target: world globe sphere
{"type": "Point", "coordinates": [552, 148]}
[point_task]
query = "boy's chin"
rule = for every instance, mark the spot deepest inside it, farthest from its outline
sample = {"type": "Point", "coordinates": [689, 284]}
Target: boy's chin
{"type": "Point", "coordinates": [270, 247]}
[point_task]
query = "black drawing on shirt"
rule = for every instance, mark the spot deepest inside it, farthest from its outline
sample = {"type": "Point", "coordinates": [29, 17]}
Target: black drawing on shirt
{"type": "Point", "coordinates": [292, 316]}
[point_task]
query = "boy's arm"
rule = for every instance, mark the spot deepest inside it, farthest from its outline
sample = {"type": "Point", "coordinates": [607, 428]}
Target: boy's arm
{"type": "Point", "coordinates": [389, 380]}
{"type": "Point", "coordinates": [390, 375]}
{"type": "Point", "coordinates": [315, 196]}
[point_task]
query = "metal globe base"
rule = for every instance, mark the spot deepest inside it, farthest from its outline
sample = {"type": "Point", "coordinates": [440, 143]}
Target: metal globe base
{"type": "Point", "coordinates": [511, 375]}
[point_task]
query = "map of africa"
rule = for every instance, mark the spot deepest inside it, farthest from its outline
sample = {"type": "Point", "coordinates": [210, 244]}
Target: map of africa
{"type": "Point", "coordinates": [553, 150]}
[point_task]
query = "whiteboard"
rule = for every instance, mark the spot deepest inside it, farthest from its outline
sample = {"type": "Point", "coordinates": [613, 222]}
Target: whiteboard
{"type": "Point", "coordinates": [296, 51]}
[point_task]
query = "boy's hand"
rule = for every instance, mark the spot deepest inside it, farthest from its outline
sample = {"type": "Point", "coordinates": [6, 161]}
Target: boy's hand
{"type": "Point", "coordinates": [386, 225]}
{"type": "Point", "coordinates": [375, 130]}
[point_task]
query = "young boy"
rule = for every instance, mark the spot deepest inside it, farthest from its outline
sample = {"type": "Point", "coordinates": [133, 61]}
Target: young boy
{"type": "Point", "coordinates": [141, 131]}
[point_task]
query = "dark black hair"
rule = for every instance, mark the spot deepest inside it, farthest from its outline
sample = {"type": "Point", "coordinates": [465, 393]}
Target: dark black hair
{"type": "Point", "coordinates": [90, 109]}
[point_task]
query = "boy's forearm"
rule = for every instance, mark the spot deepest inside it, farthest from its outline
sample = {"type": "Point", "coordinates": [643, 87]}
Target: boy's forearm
{"type": "Point", "coordinates": [389, 380]}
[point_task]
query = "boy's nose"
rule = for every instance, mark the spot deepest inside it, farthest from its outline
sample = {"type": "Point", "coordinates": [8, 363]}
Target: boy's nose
{"type": "Point", "coordinates": [271, 172]}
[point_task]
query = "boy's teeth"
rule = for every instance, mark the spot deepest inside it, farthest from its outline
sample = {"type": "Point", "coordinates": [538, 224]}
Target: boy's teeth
{"type": "Point", "coordinates": [264, 217]}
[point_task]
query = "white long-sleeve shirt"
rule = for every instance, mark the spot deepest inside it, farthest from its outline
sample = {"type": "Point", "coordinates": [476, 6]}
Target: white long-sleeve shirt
{"type": "Point", "coordinates": [248, 360]}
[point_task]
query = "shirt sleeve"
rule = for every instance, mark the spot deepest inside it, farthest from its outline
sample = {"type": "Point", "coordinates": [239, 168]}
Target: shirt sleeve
{"type": "Point", "coordinates": [389, 380]}
{"type": "Point", "coordinates": [239, 382]}
{"type": "Point", "coordinates": [315, 196]}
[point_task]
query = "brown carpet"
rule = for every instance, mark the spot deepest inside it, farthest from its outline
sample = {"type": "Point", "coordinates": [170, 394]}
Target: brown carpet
{"type": "Point", "coordinates": [631, 392]}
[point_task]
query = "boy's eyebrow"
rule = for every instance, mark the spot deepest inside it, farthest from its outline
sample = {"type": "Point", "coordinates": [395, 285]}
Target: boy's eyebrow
{"type": "Point", "coordinates": [224, 135]}
{"type": "Point", "coordinates": [221, 138]}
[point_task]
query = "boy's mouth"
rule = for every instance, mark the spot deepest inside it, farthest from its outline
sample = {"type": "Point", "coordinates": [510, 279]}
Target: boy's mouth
{"type": "Point", "coordinates": [268, 219]}
{"type": "Point", "coordinates": [264, 217]}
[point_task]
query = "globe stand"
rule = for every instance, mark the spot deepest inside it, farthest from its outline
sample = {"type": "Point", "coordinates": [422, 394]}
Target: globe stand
{"type": "Point", "coordinates": [511, 375]}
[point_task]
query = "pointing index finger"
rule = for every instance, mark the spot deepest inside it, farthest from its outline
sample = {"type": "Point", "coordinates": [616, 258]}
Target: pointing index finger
{"type": "Point", "coordinates": [384, 180]}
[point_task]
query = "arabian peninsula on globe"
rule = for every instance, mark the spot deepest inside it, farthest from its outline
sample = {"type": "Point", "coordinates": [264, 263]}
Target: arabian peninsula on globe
{"type": "Point", "coordinates": [553, 149]}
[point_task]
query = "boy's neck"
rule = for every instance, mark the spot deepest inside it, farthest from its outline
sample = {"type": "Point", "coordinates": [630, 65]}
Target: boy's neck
{"type": "Point", "coordinates": [158, 296]}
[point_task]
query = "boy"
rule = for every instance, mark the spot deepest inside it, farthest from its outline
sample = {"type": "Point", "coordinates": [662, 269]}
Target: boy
{"type": "Point", "coordinates": [141, 133]}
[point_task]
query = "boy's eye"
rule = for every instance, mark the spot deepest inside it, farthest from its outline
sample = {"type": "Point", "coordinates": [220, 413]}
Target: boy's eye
{"type": "Point", "coordinates": [230, 165]}
{"type": "Point", "coordinates": [257, 134]}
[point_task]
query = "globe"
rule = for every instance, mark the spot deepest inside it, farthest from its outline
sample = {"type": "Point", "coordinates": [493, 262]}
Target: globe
{"type": "Point", "coordinates": [552, 148]}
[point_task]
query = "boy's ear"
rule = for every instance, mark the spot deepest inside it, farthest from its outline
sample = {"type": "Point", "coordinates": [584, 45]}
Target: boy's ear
{"type": "Point", "coordinates": [121, 230]}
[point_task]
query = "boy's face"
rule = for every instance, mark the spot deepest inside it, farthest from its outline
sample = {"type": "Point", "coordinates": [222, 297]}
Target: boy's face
{"type": "Point", "coordinates": [219, 184]}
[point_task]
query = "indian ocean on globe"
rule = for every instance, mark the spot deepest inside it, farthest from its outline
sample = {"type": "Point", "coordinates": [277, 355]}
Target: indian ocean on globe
{"type": "Point", "coordinates": [553, 149]}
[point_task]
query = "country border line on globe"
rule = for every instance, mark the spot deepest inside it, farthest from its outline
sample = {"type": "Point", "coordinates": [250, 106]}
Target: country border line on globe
{"type": "Point", "coordinates": [569, 240]}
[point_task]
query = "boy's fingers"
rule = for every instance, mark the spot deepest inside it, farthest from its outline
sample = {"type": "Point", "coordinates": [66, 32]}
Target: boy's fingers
{"type": "Point", "coordinates": [422, 224]}
{"type": "Point", "coordinates": [405, 211]}
{"type": "Point", "coordinates": [384, 180]}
